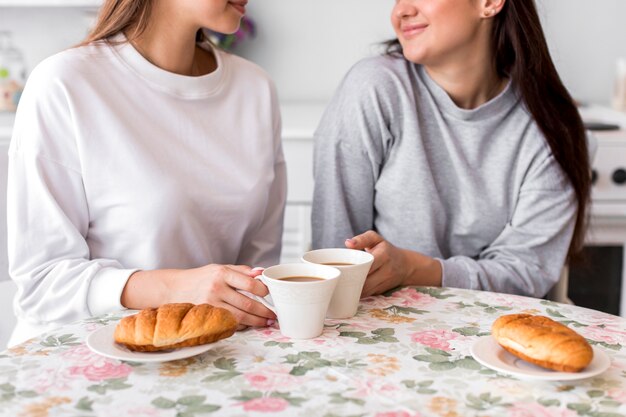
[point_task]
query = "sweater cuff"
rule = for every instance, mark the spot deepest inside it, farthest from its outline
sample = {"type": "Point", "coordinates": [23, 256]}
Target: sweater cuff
{"type": "Point", "coordinates": [454, 274]}
{"type": "Point", "coordinates": [105, 290]}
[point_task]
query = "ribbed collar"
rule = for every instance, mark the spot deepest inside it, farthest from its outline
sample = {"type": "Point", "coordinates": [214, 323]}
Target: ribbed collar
{"type": "Point", "coordinates": [500, 104]}
{"type": "Point", "coordinates": [183, 86]}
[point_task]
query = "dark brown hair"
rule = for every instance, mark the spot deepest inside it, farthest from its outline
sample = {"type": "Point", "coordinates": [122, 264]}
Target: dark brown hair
{"type": "Point", "coordinates": [521, 54]}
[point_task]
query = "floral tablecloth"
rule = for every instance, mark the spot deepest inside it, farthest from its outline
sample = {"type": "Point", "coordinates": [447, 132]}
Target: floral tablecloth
{"type": "Point", "coordinates": [406, 354]}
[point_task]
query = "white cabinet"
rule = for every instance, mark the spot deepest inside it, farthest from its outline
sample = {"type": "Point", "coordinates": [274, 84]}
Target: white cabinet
{"type": "Point", "coordinates": [300, 120]}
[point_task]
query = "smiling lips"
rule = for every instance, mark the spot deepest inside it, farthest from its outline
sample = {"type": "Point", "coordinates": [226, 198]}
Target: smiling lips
{"type": "Point", "coordinates": [411, 30]}
{"type": "Point", "coordinates": [240, 5]}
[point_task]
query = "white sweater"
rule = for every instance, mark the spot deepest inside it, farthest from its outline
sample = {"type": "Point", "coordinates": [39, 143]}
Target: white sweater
{"type": "Point", "coordinates": [117, 165]}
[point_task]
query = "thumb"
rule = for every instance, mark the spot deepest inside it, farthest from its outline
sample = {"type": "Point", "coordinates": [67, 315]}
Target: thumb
{"type": "Point", "coordinates": [365, 240]}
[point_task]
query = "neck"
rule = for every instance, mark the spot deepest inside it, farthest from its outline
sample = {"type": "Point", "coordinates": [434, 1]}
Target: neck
{"type": "Point", "coordinates": [468, 74]}
{"type": "Point", "coordinates": [173, 48]}
{"type": "Point", "coordinates": [468, 87]}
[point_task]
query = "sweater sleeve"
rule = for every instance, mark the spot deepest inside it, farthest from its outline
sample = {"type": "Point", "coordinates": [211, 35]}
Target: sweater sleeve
{"type": "Point", "coordinates": [349, 148]}
{"type": "Point", "coordinates": [48, 215]}
{"type": "Point", "coordinates": [528, 255]}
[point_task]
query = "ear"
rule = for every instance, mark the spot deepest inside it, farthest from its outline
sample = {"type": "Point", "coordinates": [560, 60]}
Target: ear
{"type": "Point", "coordinates": [490, 8]}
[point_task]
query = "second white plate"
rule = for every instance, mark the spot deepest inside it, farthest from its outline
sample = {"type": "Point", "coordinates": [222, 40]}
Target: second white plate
{"type": "Point", "coordinates": [490, 354]}
{"type": "Point", "coordinates": [101, 341]}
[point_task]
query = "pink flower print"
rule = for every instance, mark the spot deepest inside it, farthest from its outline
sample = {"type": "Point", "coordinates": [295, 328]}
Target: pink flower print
{"type": "Point", "coordinates": [437, 338]}
{"type": "Point", "coordinates": [374, 387]}
{"type": "Point", "coordinates": [80, 355]}
{"type": "Point", "coordinates": [617, 394]}
{"type": "Point", "coordinates": [600, 334]}
{"type": "Point", "coordinates": [143, 411]}
{"type": "Point", "coordinates": [590, 317]}
{"type": "Point", "coordinates": [273, 333]}
{"type": "Point", "coordinates": [59, 379]}
{"type": "Point", "coordinates": [397, 414]}
{"type": "Point", "coordinates": [272, 378]}
{"type": "Point", "coordinates": [537, 410]}
{"type": "Point", "coordinates": [414, 298]}
{"type": "Point", "coordinates": [266, 405]}
{"type": "Point", "coordinates": [101, 370]}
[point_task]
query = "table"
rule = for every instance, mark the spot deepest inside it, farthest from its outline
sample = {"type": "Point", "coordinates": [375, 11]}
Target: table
{"type": "Point", "coordinates": [405, 354]}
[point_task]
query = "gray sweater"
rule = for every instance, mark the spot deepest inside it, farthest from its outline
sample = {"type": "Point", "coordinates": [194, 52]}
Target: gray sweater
{"type": "Point", "coordinates": [477, 189]}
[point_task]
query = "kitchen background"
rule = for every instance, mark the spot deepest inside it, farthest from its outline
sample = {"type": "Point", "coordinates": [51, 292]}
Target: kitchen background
{"type": "Point", "coordinates": [307, 46]}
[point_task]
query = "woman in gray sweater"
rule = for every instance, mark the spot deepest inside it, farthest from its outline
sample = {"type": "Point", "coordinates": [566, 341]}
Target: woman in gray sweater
{"type": "Point", "coordinates": [458, 158]}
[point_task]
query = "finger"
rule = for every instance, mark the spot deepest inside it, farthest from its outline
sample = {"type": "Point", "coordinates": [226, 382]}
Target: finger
{"type": "Point", "coordinates": [255, 272]}
{"type": "Point", "coordinates": [365, 240]}
{"type": "Point", "coordinates": [381, 257]}
{"type": "Point", "coordinates": [245, 319]}
{"type": "Point", "coordinates": [376, 283]}
{"type": "Point", "coordinates": [244, 269]}
{"type": "Point", "coordinates": [251, 307]}
{"type": "Point", "coordinates": [245, 282]}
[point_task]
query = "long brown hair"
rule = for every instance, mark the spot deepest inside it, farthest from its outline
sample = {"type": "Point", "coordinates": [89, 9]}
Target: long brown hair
{"type": "Point", "coordinates": [128, 16]}
{"type": "Point", "coordinates": [521, 54]}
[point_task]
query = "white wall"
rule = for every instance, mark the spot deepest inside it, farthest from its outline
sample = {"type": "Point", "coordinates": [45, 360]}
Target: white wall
{"type": "Point", "coordinates": [307, 45]}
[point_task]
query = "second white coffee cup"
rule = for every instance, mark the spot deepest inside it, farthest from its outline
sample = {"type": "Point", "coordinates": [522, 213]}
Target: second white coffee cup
{"type": "Point", "coordinates": [354, 266]}
{"type": "Point", "coordinates": [300, 296]}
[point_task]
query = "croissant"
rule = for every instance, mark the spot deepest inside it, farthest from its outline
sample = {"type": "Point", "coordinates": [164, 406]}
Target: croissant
{"type": "Point", "coordinates": [542, 341]}
{"type": "Point", "coordinates": [174, 326]}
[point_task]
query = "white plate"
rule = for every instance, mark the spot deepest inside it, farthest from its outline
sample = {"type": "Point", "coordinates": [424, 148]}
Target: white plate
{"type": "Point", "coordinates": [490, 354]}
{"type": "Point", "coordinates": [101, 341]}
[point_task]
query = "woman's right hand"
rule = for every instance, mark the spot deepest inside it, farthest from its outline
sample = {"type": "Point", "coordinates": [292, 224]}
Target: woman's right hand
{"type": "Point", "coordinates": [213, 284]}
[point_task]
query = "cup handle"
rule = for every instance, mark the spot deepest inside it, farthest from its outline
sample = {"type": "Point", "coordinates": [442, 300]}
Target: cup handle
{"type": "Point", "coordinates": [266, 301]}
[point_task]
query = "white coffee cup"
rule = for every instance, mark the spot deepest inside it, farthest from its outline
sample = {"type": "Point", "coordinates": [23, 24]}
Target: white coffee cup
{"type": "Point", "coordinates": [354, 266]}
{"type": "Point", "coordinates": [300, 306]}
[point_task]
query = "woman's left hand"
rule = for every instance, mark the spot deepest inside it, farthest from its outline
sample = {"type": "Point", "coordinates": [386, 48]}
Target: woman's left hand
{"type": "Point", "coordinates": [394, 266]}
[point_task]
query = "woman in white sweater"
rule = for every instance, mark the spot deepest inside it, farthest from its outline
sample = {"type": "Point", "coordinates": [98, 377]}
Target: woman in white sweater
{"type": "Point", "coordinates": [145, 168]}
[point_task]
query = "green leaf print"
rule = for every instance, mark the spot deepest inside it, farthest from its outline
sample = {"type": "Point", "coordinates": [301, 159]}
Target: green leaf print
{"type": "Point", "coordinates": [610, 403]}
{"type": "Point", "coordinates": [306, 361]}
{"type": "Point", "coordinates": [437, 351]}
{"type": "Point", "coordinates": [350, 364]}
{"type": "Point", "coordinates": [442, 366]}
{"type": "Point", "coordinates": [554, 313]}
{"type": "Point", "coordinates": [438, 293]}
{"type": "Point", "coordinates": [467, 331]}
{"type": "Point", "coordinates": [549, 402]}
{"type": "Point", "coordinates": [468, 363]}
{"type": "Point", "coordinates": [484, 401]}
{"type": "Point", "coordinates": [225, 364]}
{"type": "Point", "coordinates": [186, 406]}
{"type": "Point", "coordinates": [382, 335]}
{"type": "Point", "coordinates": [295, 401]}
{"type": "Point", "coordinates": [84, 404]}
{"type": "Point", "coordinates": [249, 395]}
{"type": "Point", "coordinates": [221, 376]}
{"type": "Point", "coordinates": [595, 393]}
{"type": "Point", "coordinates": [115, 384]}
{"type": "Point", "coordinates": [202, 409]}
{"type": "Point", "coordinates": [6, 387]}
{"type": "Point", "coordinates": [164, 403]}
{"type": "Point", "coordinates": [581, 408]}
{"type": "Point", "coordinates": [432, 358]}
{"type": "Point", "coordinates": [282, 345]}
{"type": "Point", "coordinates": [397, 310]}
{"type": "Point", "coordinates": [337, 398]}
{"type": "Point", "coordinates": [190, 400]}
{"type": "Point", "coordinates": [64, 340]}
